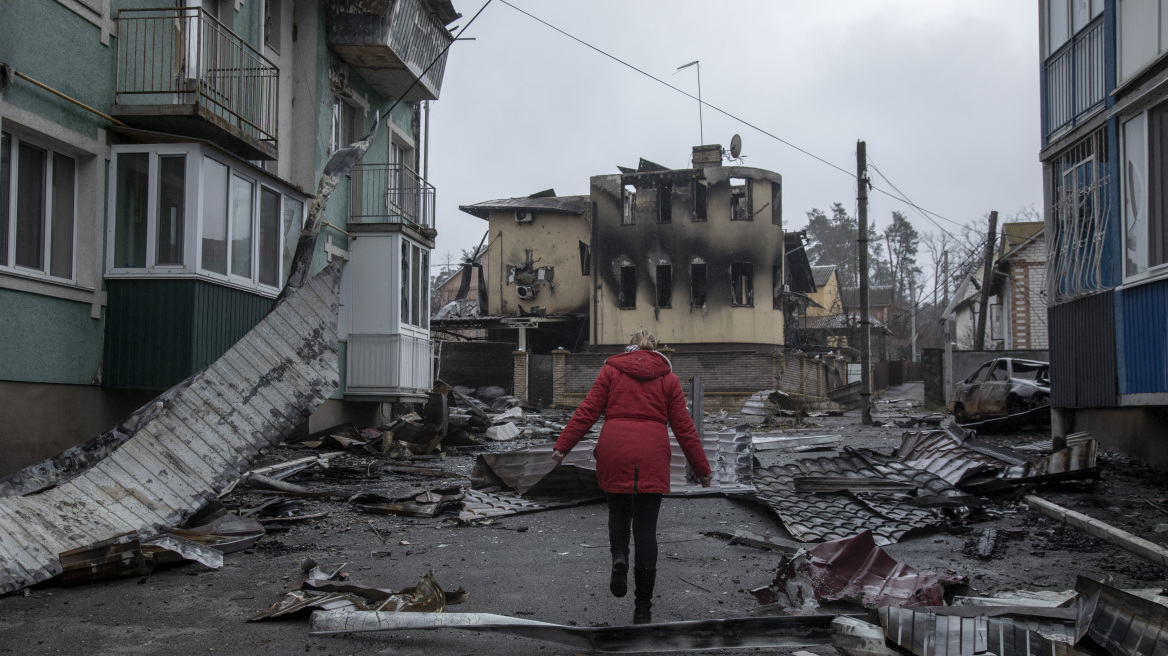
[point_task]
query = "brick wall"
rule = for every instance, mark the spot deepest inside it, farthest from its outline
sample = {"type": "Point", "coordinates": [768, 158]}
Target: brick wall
{"type": "Point", "coordinates": [730, 377]}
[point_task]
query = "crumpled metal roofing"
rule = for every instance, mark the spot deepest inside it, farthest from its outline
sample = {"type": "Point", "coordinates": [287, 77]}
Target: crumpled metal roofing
{"type": "Point", "coordinates": [531, 471]}
{"type": "Point", "coordinates": [962, 459]}
{"type": "Point", "coordinates": [561, 204]}
{"type": "Point", "coordinates": [1122, 623]}
{"type": "Point", "coordinates": [260, 390]}
{"type": "Point", "coordinates": [854, 569]}
{"type": "Point", "coordinates": [844, 514]}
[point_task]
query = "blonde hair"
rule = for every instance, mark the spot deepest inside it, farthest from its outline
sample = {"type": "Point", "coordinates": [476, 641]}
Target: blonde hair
{"type": "Point", "coordinates": [644, 340]}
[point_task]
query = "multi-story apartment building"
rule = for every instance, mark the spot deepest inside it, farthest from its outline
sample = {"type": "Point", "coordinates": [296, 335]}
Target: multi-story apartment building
{"type": "Point", "coordinates": [155, 169]}
{"type": "Point", "coordinates": [1104, 66]}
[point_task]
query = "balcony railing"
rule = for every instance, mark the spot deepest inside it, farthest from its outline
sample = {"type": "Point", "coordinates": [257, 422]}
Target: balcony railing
{"type": "Point", "coordinates": [390, 193]}
{"type": "Point", "coordinates": [184, 56]}
{"type": "Point", "coordinates": [1074, 77]}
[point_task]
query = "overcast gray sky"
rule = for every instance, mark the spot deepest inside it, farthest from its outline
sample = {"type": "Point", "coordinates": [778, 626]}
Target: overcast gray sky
{"type": "Point", "coordinates": [944, 93]}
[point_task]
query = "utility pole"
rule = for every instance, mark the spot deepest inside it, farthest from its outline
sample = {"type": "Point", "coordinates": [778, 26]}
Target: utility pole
{"type": "Point", "coordinates": [865, 321]}
{"type": "Point", "coordinates": [987, 277]}
{"type": "Point", "coordinates": [947, 363]}
{"type": "Point", "coordinates": [945, 278]}
{"type": "Point", "coordinates": [912, 301]}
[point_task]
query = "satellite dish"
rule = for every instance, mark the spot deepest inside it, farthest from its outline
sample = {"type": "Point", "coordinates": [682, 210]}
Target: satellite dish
{"type": "Point", "coordinates": [735, 146]}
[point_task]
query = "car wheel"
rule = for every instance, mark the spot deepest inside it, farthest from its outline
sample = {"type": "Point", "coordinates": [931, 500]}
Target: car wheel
{"type": "Point", "coordinates": [959, 414]}
{"type": "Point", "coordinates": [1015, 405]}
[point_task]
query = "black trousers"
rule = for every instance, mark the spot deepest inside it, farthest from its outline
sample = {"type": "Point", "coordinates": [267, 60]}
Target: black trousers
{"type": "Point", "coordinates": [640, 512]}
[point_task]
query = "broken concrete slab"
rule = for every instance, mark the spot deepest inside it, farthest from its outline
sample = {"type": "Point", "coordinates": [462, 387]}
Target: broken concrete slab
{"type": "Point", "coordinates": [766, 632]}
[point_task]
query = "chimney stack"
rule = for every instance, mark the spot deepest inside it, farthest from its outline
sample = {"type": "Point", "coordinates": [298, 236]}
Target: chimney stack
{"type": "Point", "coordinates": [707, 156]}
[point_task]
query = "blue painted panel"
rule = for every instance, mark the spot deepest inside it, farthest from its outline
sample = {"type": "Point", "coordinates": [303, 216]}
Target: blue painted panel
{"type": "Point", "coordinates": [1145, 338]}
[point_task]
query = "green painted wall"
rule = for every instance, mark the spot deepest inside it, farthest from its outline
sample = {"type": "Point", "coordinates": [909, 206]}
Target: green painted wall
{"type": "Point", "coordinates": [161, 331]}
{"type": "Point", "coordinates": [48, 340]}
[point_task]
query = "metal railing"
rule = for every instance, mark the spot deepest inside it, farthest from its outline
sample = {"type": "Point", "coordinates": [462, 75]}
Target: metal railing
{"type": "Point", "coordinates": [185, 56]}
{"type": "Point", "coordinates": [390, 193]}
{"type": "Point", "coordinates": [1074, 77]}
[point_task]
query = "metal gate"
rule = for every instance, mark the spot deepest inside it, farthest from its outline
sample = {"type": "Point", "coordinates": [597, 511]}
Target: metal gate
{"type": "Point", "coordinates": [539, 380]}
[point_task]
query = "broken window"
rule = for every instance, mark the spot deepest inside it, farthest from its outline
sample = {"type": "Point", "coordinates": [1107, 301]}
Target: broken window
{"type": "Point", "coordinates": [628, 287]}
{"type": "Point", "coordinates": [665, 202]}
{"type": "Point", "coordinates": [741, 205]}
{"type": "Point", "coordinates": [664, 285]}
{"type": "Point", "coordinates": [628, 204]}
{"type": "Point", "coordinates": [697, 281]}
{"type": "Point", "coordinates": [777, 285]}
{"type": "Point", "coordinates": [405, 282]}
{"type": "Point", "coordinates": [776, 203]}
{"type": "Point", "coordinates": [699, 208]}
{"type": "Point", "coordinates": [585, 260]}
{"type": "Point", "coordinates": [742, 284]}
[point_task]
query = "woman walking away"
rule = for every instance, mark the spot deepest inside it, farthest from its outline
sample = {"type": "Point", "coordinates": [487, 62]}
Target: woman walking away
{"type": "Point", "coordinates": [639, 394]}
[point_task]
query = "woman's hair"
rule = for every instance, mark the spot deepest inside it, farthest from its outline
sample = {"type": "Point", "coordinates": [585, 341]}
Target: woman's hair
{"type": "Point", "coordinates": [644, 340]}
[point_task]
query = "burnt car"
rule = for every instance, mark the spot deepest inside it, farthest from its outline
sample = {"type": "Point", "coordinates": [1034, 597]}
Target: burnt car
{"type": "Point", "coordinates": [1001, 387]}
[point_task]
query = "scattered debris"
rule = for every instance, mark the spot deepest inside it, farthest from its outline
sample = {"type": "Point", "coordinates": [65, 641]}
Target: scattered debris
{"type": "Point", "coordinates": [762, 542]}
{"type": "Point", "coordinates": [985, 545]}
{"type": "Point", "coordinates": [855, 570]}
{"type": "Point", "coordinates": [854, 637]}
{"type": "Point", "coordinates": [1149, 551]}
{"type": "Point", "coordinates": [502, 432]}
{"type": "Point", "coordinates": [480, 505]}
{"type": "Point", "coordinates": [772, 632]}
{"type": "Point", "coordinates": [1003, 631]}
{"type": "Point", "coordinates": [426, 597]}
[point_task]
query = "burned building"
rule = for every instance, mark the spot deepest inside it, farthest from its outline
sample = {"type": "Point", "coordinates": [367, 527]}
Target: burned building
{"type": "Point", "coordinates": [696, 255]}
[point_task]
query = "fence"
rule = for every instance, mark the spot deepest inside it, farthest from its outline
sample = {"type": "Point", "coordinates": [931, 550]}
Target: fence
{"type": "Point", "coordinates": [390, 193]}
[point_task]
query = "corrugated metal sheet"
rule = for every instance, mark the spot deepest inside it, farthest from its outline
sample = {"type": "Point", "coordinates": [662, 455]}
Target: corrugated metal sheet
{"type": "Point", "coordinates": [253, 396]}
{"type": "Point", "coordinates": [1145, 338]}
{"type": "Point", "coordinates": [1122, 623]}
{"type": "Point", "coordinates": [158, 332]}
{"type": "Point", "coordinates": [968, 630]}
{"type": "Point", "coordinates": [478, 504]}
{"type": "Point", "coordinates": [1083, 359]}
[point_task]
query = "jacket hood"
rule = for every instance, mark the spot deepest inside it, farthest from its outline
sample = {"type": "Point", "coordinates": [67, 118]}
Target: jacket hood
{"type": "Point", "coordinates": [642, 365]}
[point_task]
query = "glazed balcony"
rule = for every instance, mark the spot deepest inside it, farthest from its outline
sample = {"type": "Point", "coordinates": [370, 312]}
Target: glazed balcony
{"type": "Point", "coordinates": [391, 194]}
{"type": "Point", "coordinates": [390, 43]}
{"type": "Point", "coordinates": [181, 71]}
{"type": "Point", "coordinates": [1074, 78]}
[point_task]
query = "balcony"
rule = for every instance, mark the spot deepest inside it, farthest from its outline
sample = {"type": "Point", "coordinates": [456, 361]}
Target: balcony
{"type": "Point", "coordinates": [1074, 78]}
{"type": "Point", "coordinates": [391, 194]}
{"type": "Point", "coordinates": [390, 43]}
{"type": "Point", "coordinates": [181, 71]}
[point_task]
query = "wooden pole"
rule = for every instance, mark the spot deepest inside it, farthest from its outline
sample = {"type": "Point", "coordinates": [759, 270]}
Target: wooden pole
{"type": "Point", "coordinates": [987, 277]}
{"type": "Point", "coordinates": [865, 321]}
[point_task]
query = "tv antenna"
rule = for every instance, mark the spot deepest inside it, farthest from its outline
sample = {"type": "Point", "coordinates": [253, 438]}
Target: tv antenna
{"type": "Point", "coordinates": [698, 64]}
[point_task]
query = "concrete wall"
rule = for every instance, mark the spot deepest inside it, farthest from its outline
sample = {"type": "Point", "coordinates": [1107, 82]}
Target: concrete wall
{"type": "Point", "coordinates": [553, 238]}
{"type": "Point", "coordinates": [39, 420]}
{"type": "Point", "coordinates": [717, 241]}
{"type": "Point", "coordinates": [1135, 431]}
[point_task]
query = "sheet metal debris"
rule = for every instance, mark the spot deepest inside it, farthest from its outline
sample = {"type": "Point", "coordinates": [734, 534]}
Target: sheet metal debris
{"type": "Point", "coordinates": [856, 570]}
{"type": "Point", "coordinates": [838, 515]}
{"type": "Point", "coordinates": [796, 443]}
{"type": "Point", "coordinates": [975, 465]}
{"type": "Point", "coordinates": [204, 438]}
{"type": "Point", "coordinates": [1124, 624]}
{"type": "Point", "coordinates": [426, 597]}
{"type": "Point", "coordinates": [854, 637]}
{"type": "Point", "coordinates": [478, 505]}
{"type": "Point", "coordinates": [968, 630]}
{"type": "Point", "coordinates": [114, 558]}
{"type": "Point", "coordinates": [769, 632]}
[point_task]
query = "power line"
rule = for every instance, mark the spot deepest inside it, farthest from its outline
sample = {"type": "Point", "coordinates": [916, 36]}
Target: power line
{"type": "Point", "coordinates": [719, 110]}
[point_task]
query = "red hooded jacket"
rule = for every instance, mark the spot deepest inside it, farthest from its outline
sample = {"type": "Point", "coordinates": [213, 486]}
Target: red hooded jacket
{"type": "Point", "coordinates": [639, 394]}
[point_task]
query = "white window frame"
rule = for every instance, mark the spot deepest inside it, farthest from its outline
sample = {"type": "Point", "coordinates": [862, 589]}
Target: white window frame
{"type": "Point", "coordinates": [421, 330]}
{"type": "Point", "coordinates": [1095, 9]}
{"type": "Point", "coordinates": [10, 266]}
{"type": "Point", "coordinates": [1150, 272]}
{"type": "Point", "coordinates": [193, 218]}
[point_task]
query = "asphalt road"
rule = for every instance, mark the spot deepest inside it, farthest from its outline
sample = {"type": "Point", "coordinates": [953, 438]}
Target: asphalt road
{"type": "Point", "coordinates": [554, 571]}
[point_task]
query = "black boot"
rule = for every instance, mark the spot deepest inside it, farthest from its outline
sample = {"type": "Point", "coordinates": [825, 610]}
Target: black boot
{"type": "Point", "coordinates": [644, 578]}
{"type": "Point", "coordinates": [618, 585]}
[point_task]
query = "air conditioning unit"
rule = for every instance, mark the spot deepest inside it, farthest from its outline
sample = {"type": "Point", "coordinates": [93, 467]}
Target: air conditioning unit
{"type": "Point", "coordinates": [524, 216]}
{"type": "Point", "coordinates": [525, 292]}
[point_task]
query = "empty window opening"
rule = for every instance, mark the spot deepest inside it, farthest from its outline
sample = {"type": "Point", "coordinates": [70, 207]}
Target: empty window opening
{"type": "Point", "coordinates": [776, 203]}
{"type": "Point", "coordinates": [585, 260]}
{"type": "Point", "coordinates": [664, 285]}
{"type": "Point", "coordinates": [665, 202]}
{"type": "Point", "coordinates": [697, 278]}
{"type": "Point", "coordinates": [628, 204]}
{"type": "Point", "coordinates": [628, 287]}
{"type": "Point", "coordinates": [778, 286]}
{"type": "Point", "coordinates": [742, 284]}
{"type": "Point", "coordinates": [699, 213]}
{"type": "Point", "coordinates": [740, 199]}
